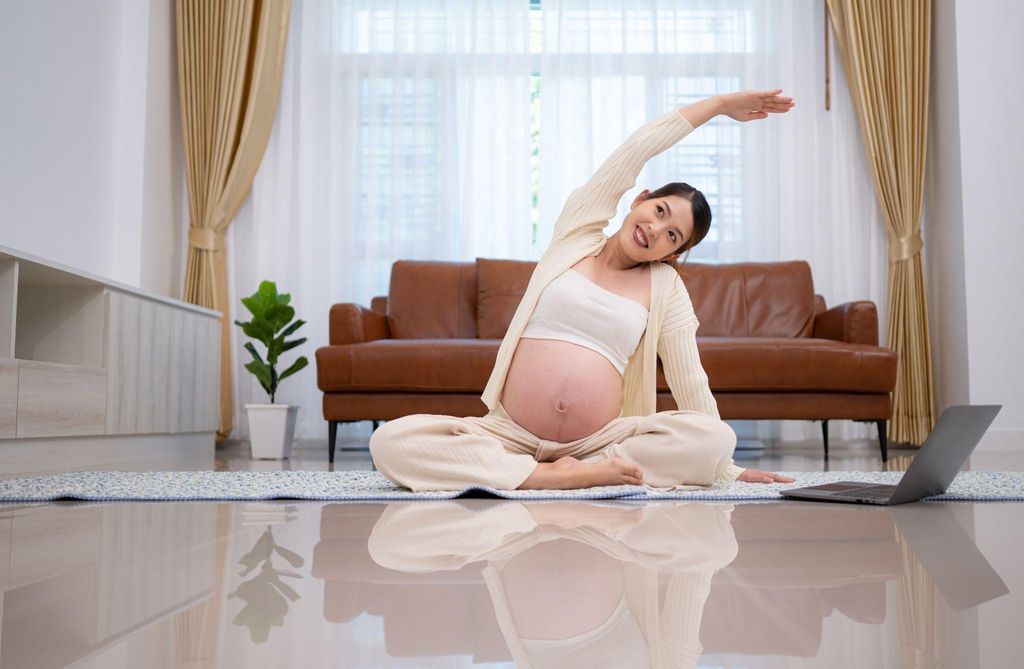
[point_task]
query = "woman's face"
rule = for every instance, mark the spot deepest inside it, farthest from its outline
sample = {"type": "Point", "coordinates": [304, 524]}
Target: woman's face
{"type": "Point", "coordinates": [655, 228]}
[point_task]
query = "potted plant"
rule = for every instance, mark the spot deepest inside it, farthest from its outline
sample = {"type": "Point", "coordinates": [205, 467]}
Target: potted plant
{"type": "Point", "coordinates": [271, 426]}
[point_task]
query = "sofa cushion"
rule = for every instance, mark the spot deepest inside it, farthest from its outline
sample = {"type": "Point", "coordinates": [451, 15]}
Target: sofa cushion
{"type": "Point", "coordinates": [432, 299]}
{"type": "Point", "coordinates": [732, 365]}
{"type": "Point", "coordinates": [411, 365]}
{"type": "Point", "coordinates": [770, 364]}
{"type": "Point", "coordinates": [751, 299]}
{"type": "Point", "coordinates": [731, 300]}
{"type": "Point", "coordinates": [500, 286]}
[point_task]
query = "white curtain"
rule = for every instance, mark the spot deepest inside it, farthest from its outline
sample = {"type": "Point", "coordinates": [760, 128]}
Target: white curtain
{"type": "Point", "coordinates": [403, 133]}
{"type": "Point", "coordinates": [424, 130]}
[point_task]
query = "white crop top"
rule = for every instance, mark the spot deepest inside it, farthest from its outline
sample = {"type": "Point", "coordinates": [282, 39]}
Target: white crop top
{"type": "Point", "coordinates": [573, 308]}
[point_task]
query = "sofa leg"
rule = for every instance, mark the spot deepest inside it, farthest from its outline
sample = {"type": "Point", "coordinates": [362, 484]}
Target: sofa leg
{"type": "Point", "coordinates": [376, 424]}
{"type": "Point", "coordinates": [883, 439]}
{"type": "Point", "coordinates": [332, 436]}
{"type": "Point", "coordinates": [824, 435]}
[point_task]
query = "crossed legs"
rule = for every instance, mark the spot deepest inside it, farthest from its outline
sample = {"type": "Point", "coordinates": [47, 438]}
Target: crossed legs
{"type": "Point", "coordinates": [428, 452]}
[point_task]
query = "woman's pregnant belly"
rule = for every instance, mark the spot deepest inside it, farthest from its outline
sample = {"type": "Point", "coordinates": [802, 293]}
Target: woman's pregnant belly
{"type": "Point", "coordinates": [560, 391]}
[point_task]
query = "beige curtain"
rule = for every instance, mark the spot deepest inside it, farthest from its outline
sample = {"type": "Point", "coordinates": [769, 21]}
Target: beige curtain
{"type": "Point", "coordinates": [884, 46]}
{"type": "Point", "coordinates": [230, 57]}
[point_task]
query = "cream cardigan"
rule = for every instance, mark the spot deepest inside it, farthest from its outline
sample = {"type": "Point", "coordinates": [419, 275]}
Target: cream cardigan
{"type": "Point", "coordinates": [577, 235]}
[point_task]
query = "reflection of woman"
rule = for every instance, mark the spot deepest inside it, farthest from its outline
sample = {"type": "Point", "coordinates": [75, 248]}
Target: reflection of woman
{"type": "Point", "coordinates": [575, 585]}
{"type": "Point", "coordinates": [572, 395]}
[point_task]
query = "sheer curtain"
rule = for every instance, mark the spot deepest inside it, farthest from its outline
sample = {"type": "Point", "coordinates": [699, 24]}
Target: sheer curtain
{"type": "Point", "coordinates": [451, 129]}
{"type": "Point", "coordinates": [403, 132]}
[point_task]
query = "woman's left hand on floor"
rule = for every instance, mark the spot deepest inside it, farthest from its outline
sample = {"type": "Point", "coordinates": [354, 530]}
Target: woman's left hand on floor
{"type": "Point", "coordinates": [758, 476]}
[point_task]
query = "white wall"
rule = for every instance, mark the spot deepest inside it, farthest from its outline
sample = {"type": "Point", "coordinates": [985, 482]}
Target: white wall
{"type": "Point", "coordinates": [974, 206]}
{"type": "Point", "coordinates": [989, 58]}
{"type": "Point", "coordinates": [943, 227]}
{"type": "Point", "coordinates": [90, 151]}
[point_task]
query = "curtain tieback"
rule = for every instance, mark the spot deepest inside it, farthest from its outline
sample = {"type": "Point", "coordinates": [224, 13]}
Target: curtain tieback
{"type": "Point", "coordinates": [905, 248]}
{"type": "Point", "coordinates": [206, 239]}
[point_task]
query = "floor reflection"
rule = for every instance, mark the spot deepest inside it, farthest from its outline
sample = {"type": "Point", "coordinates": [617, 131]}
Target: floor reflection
{"type": "Point", "coordinates": [82, 577]}
{"type": "Point", "coordinates": [567, 584]}
{"type": "Point", "coordinates": [265, 594]}
{"type": "Point", "coordinates": [478, 581]}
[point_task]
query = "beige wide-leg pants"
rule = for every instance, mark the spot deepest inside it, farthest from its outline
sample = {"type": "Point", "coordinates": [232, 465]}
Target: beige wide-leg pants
{"type": "Point", "coordinates": [430, 452]}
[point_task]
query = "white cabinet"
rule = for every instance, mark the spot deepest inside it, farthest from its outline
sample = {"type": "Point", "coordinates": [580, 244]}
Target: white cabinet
{"type": "Point", "coordinates": [8, 398]}
{"type": "Point", "coordinates": [81, 355]}
{"type": "Point", "coordinates": [57, 400]}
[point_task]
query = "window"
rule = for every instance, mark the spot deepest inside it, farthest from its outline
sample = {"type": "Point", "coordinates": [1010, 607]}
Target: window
{"type": "Point", "coordinates": [711, 161]}
{"type": "Point", "coordinates": [412, 105]}
{"type": "Point", "coordinates": [683, 33]}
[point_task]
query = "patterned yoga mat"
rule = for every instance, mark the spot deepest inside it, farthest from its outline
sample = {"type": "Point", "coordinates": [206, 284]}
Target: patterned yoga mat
{"type": "Point", "coordinates": [372, 486]}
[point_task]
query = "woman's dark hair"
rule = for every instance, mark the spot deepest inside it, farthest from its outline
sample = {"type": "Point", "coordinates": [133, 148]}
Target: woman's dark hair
{"type": "Point", "coordinates": [701, 211]}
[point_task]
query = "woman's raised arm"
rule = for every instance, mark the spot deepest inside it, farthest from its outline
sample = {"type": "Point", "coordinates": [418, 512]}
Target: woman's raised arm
{"type": "Point", "coordinates": [588, 208]}
{"type": "Point", "coordinates": [741, 106]}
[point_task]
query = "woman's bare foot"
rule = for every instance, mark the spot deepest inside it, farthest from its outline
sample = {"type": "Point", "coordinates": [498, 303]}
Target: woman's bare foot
{"type": "Point", "coordinates": [568, 472]}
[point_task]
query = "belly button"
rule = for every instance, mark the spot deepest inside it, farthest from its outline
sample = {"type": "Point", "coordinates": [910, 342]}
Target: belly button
{"type": "Point", "coordinates": [561, 406]}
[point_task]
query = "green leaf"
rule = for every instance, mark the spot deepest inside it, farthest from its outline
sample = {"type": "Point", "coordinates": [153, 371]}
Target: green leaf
{"type": "Point", "coordinates": [267, 292]}
{"type": "Point", "coordinates": [279, 315]}
{"type": "Point", "coordinates": [293, 327]}
{"type": "Point", "coordinates": [291, 344]}
{"type": "Point", "coordinates": [259, 331]}
{"type": "Point", "coordinates": [255, 307]}
{"type": "Point", "coordinates": [296, 366]}
{"type": "Point", "coordinates": [252, 349]}
{"type": "Point", "coordinates": [274, 350]}
{"type": "Point", "coordinates": [262, 373]}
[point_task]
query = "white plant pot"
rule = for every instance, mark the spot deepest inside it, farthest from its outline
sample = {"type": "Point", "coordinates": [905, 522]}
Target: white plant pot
{"type": "Point", "coordinates": [271, 429]}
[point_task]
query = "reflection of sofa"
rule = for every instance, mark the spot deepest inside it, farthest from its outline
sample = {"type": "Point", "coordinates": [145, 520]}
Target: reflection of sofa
{"type": "Point", "coordinates": [769, 345]}
{"type": "Point", "coordinates": [441, 613]}
{"type": "Point", "coordinates": [795, 566]}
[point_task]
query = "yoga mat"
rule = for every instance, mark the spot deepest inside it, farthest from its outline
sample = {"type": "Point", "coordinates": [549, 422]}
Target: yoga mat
{"type": "Point", "coordinates": [372, 486]}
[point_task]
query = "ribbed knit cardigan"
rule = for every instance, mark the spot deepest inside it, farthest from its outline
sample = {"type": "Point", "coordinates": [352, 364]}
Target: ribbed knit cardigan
{"type": "Point", "coordinates": [577, 235]}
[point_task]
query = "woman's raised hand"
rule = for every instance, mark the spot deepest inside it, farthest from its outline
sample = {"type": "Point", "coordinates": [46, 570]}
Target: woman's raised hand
{"type": "Point", "coordinates": [751, 105]}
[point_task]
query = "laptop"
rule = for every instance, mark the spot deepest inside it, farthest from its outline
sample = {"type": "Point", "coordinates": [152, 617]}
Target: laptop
{"type": "Point", "coordinates": [954, 437]}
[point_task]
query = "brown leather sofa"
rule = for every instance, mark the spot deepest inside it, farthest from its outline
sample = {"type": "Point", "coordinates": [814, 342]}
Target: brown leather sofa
{"type": "Point", "coordinates": [769, 345]}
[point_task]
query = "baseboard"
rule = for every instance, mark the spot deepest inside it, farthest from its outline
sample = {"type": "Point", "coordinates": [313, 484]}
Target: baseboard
{"type": "Point", "coordinates": [51, 455]}
{"type": "Point", "coordinates": [1002, 440]}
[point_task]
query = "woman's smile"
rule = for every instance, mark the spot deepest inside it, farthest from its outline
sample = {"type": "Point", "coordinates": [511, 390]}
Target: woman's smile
{"type": "Point", "coordinates": [640, 238]}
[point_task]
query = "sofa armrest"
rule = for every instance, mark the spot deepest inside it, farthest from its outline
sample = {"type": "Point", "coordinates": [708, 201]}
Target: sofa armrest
{"type": "Point", "coordinates": [380, 304]}
{"type": "Point", "coordinates": [853, 322]}
{"type": "Point", "coordinates": [819, 305]}
{"type": "Point", "coordinates": [352, 324]}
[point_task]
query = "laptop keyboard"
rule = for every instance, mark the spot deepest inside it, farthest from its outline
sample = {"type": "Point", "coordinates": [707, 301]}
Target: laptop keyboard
{"type": "Point", "coordinates": [876, 492]}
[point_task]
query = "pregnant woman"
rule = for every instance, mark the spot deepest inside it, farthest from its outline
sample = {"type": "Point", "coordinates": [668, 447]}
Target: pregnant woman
{"type": "Point", "coordinates": [572, 397]}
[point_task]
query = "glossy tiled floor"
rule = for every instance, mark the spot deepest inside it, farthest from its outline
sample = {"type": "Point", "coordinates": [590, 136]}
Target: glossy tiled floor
{"type": "Point", "coordinates": [480, 582]}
